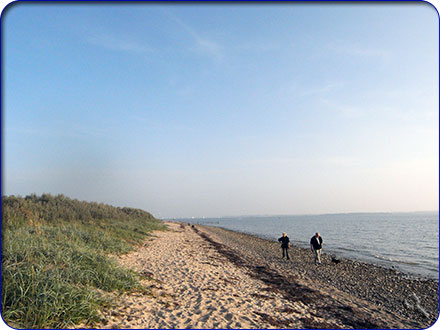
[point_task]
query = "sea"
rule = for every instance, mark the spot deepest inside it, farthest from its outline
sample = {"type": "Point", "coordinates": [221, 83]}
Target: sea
{"type": "Point", "coordinates": [408, 242]}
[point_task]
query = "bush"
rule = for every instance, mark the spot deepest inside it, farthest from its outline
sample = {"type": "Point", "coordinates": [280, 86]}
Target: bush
{"type": "Point", "coordinates": [54, 258]}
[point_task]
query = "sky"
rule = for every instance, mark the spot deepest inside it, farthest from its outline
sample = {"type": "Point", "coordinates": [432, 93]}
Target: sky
{"type": "Point", "coordinates": [223, 109]}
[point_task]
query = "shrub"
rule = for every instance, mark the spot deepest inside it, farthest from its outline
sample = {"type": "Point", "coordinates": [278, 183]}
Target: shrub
{"type": "Point", "coordinates": [55, 257]}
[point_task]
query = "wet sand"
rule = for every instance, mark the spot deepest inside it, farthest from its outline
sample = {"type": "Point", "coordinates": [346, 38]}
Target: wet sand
{"type": "Point", "coordinates": [207, 277]}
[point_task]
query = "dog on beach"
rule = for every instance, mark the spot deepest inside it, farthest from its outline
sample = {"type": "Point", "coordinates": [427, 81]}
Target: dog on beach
{"type": "Point", "coordinates": [335, 260]}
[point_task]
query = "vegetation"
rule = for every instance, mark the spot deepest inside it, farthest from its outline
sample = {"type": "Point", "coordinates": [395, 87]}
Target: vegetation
{"type": "Point", "coordinates": [55, 258]}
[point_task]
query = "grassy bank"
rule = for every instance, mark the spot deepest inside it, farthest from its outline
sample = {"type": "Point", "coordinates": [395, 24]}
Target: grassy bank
{"type": "Point", "coordinates": [55, 258]}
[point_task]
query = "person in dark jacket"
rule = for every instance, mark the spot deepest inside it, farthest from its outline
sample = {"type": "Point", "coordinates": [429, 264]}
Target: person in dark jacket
{"type": "Point", "coordinates": [285, 245]}
{"type": "Point", "coordinates": [316, 247]}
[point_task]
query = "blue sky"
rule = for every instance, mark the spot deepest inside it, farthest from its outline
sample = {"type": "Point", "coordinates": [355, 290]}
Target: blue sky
{"type": "Point", "coordinates": [211, 110]}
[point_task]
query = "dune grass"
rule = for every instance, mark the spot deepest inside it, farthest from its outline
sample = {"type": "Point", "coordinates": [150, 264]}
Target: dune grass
{"type": "Point", "coordinates": [55, 258]}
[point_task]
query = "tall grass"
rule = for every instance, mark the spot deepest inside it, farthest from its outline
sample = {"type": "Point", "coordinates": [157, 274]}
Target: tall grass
{"type": "Point", "coordinates": [55, 258]}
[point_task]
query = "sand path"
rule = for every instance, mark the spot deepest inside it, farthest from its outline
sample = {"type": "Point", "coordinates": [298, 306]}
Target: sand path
{"type": "Point", "coordinates": [194, 286]}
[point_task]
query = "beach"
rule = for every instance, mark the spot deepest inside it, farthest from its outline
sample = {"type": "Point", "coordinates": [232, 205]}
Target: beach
{"type": "Point", "coordinates": [208, 277]}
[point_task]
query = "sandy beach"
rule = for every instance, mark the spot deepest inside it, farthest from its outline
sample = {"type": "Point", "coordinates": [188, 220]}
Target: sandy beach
{"type": "Point", "coordinates": [206, 277]}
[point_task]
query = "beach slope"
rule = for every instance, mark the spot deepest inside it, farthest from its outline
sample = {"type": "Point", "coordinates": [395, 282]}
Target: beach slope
{"type": "Point", "coordinates": [206, 277]}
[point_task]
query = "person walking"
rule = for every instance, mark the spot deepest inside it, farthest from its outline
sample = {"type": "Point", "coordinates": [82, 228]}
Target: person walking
{"type": "Point", "coordinates": [316, 247]}
{"type": "Point", "coordinates": [285, 245]}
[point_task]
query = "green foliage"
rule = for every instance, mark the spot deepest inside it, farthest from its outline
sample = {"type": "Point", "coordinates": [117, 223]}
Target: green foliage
{"type": "Point", "coordinates": [55, 257]}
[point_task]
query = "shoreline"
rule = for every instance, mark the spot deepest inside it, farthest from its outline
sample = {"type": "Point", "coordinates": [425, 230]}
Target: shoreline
{"type": "Point", "coordinates": [201, 277]}
{"type": "Point", "coordinates": [391, 239]}
{"type": "Point", "coordinates": [409, 275]}
{"type": "Point", "coordinates": [411, 297]}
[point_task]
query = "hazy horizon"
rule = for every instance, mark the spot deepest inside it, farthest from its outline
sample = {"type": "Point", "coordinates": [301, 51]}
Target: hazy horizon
{"type": "Point", "coordinates": [246, 215]}
{"type": "Point", "coordinates": [304, 214]}
{"type": "Point", "coordinates": [192, 110]}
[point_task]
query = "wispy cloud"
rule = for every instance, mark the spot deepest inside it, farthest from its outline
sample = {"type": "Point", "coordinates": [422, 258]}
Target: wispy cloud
{"type": "Point", "coordinates": [253, 46]}
{"type": "Point", "coordinates": [322, 90]}
{"type": "Point", "coordinates": [59, 130]}
{"type": "Point", "coordinates": [143, 122]}
{"type": "Point", "coordinates": [299, 90]}
{"type": "Point", "coordinates": [360, 51]}
{"type": "Point", "coordinates": [409, 113]}
{"type": "Point", "coordinates": [117, 43]}
{"type": "Point", "coordinates": [202, 44]}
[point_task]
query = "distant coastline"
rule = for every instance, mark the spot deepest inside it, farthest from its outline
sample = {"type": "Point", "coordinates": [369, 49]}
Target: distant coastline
{"type": "Point", "coordinates": [183, 219]}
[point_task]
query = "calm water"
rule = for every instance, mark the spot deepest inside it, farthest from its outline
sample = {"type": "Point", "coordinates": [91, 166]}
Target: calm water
{"type": "Point", "coordinates": [408, 241]}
